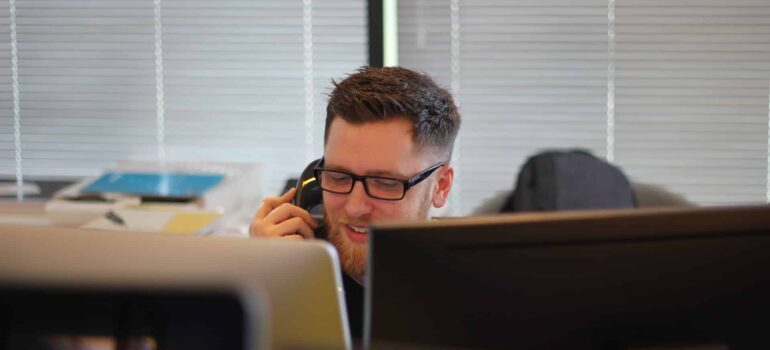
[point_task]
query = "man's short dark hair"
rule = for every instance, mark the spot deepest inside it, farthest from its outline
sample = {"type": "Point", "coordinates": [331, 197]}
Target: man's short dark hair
{"type": "Point", "coordinates": [384, 94]}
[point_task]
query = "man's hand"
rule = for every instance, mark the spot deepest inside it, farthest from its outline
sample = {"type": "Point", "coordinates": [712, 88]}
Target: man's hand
{"type": "Point", "coordinates": [278, 218]}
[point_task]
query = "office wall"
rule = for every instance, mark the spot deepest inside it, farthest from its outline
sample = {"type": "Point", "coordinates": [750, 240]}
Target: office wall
{"type": "Point", "coordinates": [674, 92]}
{"type": "Point", "coordinates": [103, 81]}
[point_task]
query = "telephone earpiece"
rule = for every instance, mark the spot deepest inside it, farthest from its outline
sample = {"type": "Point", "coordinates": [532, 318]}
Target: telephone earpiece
{"type": "Point", "coordinates": [310, 197]}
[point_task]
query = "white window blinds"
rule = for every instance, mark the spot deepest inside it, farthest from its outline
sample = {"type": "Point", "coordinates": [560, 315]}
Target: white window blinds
{"type": "Point", "coordinates": [86, 84]}
{"type": "Point", "coordinates": [7, 128]}
{"type": "Point", "coordinates": [339, 37]}
{"type": "Point", "coordinates": [233, 80]}
{"type": "Point", "coordinates": [675, 92]}
{"type": "Point", "coordinates": [692, 96]}
{"type": "Point", "coordinates": [104, 81]}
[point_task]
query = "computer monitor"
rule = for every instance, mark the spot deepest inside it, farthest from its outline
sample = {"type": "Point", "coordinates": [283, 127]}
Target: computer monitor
{"type": "Point", "coordinates": [156, 289]}
{"type": "Point", "coordinates": [662, 279]}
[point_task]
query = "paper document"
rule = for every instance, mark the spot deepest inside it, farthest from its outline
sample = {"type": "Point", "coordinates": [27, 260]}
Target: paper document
{"type": "Point", "coordinates": [162, 220]}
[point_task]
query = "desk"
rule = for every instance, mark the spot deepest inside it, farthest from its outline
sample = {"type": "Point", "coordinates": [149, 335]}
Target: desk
{"type": "Point", "coordinates": [32, 212]}
{"type": "Point", "coordinates": [29, 212]}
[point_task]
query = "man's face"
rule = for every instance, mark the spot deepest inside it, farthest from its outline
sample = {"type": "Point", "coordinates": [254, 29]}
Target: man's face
{"type": "Point", "coordinates": [383, 149]}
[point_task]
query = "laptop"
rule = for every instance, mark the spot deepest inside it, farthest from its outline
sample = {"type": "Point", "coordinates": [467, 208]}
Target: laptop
{"type": "Point", "coordinates": [289, 293]}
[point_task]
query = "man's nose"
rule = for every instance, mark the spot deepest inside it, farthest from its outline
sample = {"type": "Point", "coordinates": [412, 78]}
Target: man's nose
{"type": "Point", "coordinates": [359, 203]}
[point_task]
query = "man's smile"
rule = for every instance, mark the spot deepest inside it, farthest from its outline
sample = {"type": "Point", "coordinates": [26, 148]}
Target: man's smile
{"type": "Point", "coordinates": [356, 233]}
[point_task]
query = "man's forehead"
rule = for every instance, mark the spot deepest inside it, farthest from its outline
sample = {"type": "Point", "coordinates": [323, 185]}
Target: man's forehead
{"type": "Point", "coordinates": [380, 148]}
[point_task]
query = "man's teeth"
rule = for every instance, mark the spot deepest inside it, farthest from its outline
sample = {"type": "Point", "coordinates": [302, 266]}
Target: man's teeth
{"type": "Point", "coordinates": [358, 229]}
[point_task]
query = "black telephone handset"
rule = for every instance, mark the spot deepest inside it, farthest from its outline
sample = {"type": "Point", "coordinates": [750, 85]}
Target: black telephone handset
{"type": "Point", "coordinates": [310, 197]}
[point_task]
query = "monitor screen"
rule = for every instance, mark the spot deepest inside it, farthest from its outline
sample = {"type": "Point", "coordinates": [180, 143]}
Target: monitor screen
{"type": "Point", "coordinates": [663, 279]}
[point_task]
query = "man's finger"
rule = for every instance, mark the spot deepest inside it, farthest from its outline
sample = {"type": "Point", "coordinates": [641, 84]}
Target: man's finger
{"type": "Point", "coordinates": [295, 226]}
{"type": "Point", "coordinates": [270, 203]}
{"type": "Point", "coordinates": [287, 211]}
{"type": "Point", "coordinates": [286, 197]}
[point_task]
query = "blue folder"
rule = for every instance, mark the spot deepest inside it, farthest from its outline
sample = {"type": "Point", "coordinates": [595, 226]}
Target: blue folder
{"type": "Point", "coordinates": [166, 184]}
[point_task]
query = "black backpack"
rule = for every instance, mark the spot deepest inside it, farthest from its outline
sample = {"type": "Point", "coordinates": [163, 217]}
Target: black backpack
{"type": "Point", "coordinates": [569, 180]}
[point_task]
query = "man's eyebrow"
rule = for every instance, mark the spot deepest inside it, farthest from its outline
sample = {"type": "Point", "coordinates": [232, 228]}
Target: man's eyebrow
{"type": "Point", "coordinates": [383, 173]}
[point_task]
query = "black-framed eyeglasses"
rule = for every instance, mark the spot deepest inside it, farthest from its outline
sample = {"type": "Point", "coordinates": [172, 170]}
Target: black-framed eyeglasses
{"type": "Point", "coordinates": [378, 187]}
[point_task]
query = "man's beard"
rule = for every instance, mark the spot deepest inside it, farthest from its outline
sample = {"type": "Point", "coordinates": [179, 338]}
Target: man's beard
{"type": "Point", "coordinates": [352, 255]}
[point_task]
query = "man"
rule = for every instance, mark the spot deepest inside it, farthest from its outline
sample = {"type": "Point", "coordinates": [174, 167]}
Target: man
{"type": "Point", "coordinates": [387, 145]}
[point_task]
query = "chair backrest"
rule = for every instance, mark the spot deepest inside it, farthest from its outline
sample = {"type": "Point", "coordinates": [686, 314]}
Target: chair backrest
{"type": "Point", "coordinates": [569, 180]}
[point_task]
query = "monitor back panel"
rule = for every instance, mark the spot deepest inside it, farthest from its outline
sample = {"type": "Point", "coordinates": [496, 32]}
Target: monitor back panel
{"type": "Point", "coordinates": [296, 285]}
{"type": "Point", "coordinates": [579, 281]}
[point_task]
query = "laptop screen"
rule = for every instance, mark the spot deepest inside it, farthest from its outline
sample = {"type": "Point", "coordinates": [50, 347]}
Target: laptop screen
{"type": "Point", "coordinates": [89, 319]}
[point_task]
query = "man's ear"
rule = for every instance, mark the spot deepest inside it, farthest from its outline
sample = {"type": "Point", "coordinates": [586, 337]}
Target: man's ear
{"type": "Point", "coordinates": [443, 185]}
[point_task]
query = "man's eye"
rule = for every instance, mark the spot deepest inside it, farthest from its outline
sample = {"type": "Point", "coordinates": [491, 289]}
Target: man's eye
{"type": "Point", "coordinates": [338, 178]}
{"type": "Point", "coordinates": [386, 184]}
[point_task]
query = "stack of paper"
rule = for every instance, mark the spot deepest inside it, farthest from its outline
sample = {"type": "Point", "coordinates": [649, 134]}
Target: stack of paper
{"type": "Point", "coordinates": [200, 196]}
{"type": "Point", "coordinates": [157, 218]}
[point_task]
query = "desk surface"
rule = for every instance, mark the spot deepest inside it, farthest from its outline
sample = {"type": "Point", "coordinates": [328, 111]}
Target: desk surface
{"type": "Point", "coordinates": [29, 212]}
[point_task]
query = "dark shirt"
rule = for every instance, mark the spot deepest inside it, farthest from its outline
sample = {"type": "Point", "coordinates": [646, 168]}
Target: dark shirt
{"type": "Point", "coordinates": [354, 300]}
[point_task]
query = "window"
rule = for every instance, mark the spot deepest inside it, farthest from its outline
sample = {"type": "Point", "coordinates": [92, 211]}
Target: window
{"type": "Point", "coordinates": [673, 92]}
{"type": "Point", "coordinates": [232, 80]}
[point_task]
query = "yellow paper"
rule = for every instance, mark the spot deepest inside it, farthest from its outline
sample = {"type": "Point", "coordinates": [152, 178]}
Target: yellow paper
{"type": "Point", "coordinates": [188, 223]}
